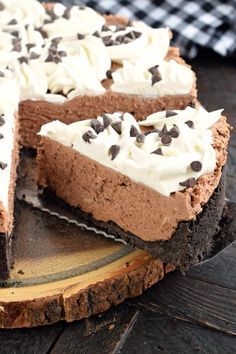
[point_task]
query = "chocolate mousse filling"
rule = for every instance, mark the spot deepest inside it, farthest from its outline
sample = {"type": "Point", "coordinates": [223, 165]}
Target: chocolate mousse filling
{"type": "Point", "coordinates": [192, 241]}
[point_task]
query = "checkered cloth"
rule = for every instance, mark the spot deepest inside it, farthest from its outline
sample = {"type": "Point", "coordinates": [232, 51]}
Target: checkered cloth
{"type": "Point", "coordinates": [202, 23]}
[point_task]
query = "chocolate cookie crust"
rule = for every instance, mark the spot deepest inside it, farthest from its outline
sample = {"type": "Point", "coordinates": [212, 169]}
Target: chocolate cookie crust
{"type": "Point", "coordinates": [191, 243]}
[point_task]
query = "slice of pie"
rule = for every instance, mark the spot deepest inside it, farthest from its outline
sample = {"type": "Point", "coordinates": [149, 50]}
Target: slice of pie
{"type": "Point", "coordinates": [158, 184]}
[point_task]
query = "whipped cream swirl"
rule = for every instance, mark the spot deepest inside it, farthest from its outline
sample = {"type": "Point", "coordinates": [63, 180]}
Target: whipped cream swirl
{"type": "Point", "coordinates": [133, 79]}
{"type": "Point", "coordinates": [136, 43]}
{"type": "Point", "coordinates": [71, 21]}
{"type": "Point", "coordinates": [165, 164]}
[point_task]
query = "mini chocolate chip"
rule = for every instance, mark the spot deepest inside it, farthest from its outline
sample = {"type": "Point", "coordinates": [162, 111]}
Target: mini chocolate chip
{"type": "Point", "coordinates": [114, 151]}
{"type": "Point", "coordinates": [133, 34]}
{"type": "Point", "coordinates": [117, 127]}
{"type": "Point", "coordinates": [170, 114]}
{"type": "Point", "coordinates": [15, 40]}
{"type": "Point", "coordinates": [80, 36]}
{"type": "Point", "coordinates": [97, 126]}
{"type": "Point", "coordinates": [119, 28]}
{"type": "Point", "coordinates": [56, 40]}
{"type": "Point", "coordinates": [157, 151]}
{"type": "Point", "coordinates": [2, 6]}
{"type": "Point", "coordinates": [105, 28]}
{"type": "Point", "coordinates": [1, 136]}
{"type": "Point", "coordinates": [62, 53]}
{"type": "Point", "coordinates": [12, 22]}
{"type": "Point", "coordinates": [30, 45]}
{"type": "Point", "coordinates": [130, 35]}
{"type": "Point", "coordinates": [106, 40]}
{"type": "Point", "coordinates": [164, 131]}
{"type": "Point", "coordinates": [17, 47]}
{"type": "Point", "coordinates": [190, 124]}
{"type": "Point", "coordinates": [23, 60]}
{"type": "Point", "coordinates": [133, 131]}
{"type": "Point", "coordinates": [166, 140]}
{"type": "Point", "coordinates": [50, 58]}
{"type": "Point", "coordinates": [57, 59]}
{"type": "Point", "coordinates": [34, 56]}
{"type": "Point", "coordinates": [196, 166]}
{"type": "Point", "coordinates": [188, 183]}
{"type": "Point", "coordinates": [174, 132]}
{"type": "Point", "coordinates": [41, 30]}
{"type": "Point", "coordinates": [96, 34]}
{"type": "Point", "coordinates": [106, 120]}
{"type": "Point", "coordinates": [156, 75]}
{"type": "Point", "coordinates": [120, 39]}
{"type": "Point", "coordinates": [47, 21]}
{"type": "Point", "coordinates": [66, 14]}
{"type": "Point", "coordinates": [88, 135]}
{"type": "Point", "coordinates": [127, 40]}
{"type": "Point", "coordinates": [82, 7]}
{"type": "Point", "coordinates": [137, 34]}
{"type": "Point", "coordinates": [153, 69]}
{"type": "Point", "coordinates": [109, 74]}
{"type": "Point", "coordinates": [53, 48]}
{"type": "Point", "coordinates": [2, 121]}
{"type": "Point", "coordinates": [152, 131]}
{"type": "Point", "coordinates": [1, 74]}
{"type": "Point", "coordinates": [3, 165]}
{"type": "Point", "coordinates": [15, 34]}
{"type": "Point", "coordinates": [140, 138]}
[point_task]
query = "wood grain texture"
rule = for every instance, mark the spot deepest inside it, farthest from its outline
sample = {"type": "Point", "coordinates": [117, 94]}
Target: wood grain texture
{"type": "Point", "coordinates": [194, 301]}
{"type": "Point", "coordinates": [110, 330]}
{"type": "Point", "coordinates": [154, 333]}
{"type": "Point", "coordinates": [37, 341]}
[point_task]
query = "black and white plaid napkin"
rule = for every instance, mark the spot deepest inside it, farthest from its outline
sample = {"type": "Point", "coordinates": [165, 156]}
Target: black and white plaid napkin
{"type": "Point", "coordinates": [202, 23]}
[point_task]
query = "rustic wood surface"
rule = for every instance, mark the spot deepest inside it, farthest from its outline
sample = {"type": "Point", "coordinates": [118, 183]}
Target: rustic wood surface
{"type": "Point", "coordinates": [190, 314]}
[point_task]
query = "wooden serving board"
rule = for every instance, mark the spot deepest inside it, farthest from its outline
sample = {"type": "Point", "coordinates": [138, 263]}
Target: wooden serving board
{"type": "Point", "coordinates": [63, 272]}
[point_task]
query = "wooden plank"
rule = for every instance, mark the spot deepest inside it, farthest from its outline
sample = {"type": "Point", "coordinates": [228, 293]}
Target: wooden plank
{"type": "Point", "coordinates": [37, 340]}
{"type": "Point", "coordinates": [219, 271]}
{"type": "Point", "coordinates": [154, 333]}
{"type": "Point", "coordinates": [101, 334]}
{"type": "Point", "coordinates": [194, 301]}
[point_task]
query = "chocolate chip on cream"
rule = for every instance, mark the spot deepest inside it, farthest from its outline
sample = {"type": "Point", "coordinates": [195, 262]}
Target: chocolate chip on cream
{"type": "Point", "coordinates": [174, 132]}
{"type": "Point", "coordinates": [156, 75]}
{"type": "Point", "coordinates": [140, 138]}
{"type": "Point", "coordinates": [2, 121]}
{"type": "Point", "coordinates": [158, 151]}
{"type": "Point", "coordinates": [114, 151]}
{"type": "Point", "coordinates": [3, 165]}
{"type": "Point", "coordinates": [117, 127]}
{"type": "Point", "coordinates": [87, 136]}
{"type": "Point", "coordinates": [133, 131]}
{"type": "Point", "coordinates": [170, 113]}
{"type": "Point", "coordinates": [97, 126]}
{"type": "Point", "coordinates": [196, 166]}
{"type": "Point", "coordinates": [106, 120]}
{"type": "Point", "coordinates": [190, 124]}
{"type": "Point", "coordinates": [188, 183]}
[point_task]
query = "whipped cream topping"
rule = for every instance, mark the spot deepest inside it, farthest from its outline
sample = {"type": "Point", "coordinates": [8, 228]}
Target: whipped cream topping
{"type": "Point", "coordinates": [168, 159]}
{"type": "Point", "coordinates": [9, 99]}
{"type": "Point", "coordinates": [68, 51]}
{"type": "Point", "coordinates": [133, 79]}
{"type": "Point", "coordinates": [15, 13]}
{"type": "Point", "coordinates": [71, 21]}
{"type": "Point", "coordinates": [136, 43]}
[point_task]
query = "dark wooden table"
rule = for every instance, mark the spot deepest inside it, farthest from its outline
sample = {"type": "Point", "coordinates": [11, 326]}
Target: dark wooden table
{"type": "Point", "coordinates": [181, 314]}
